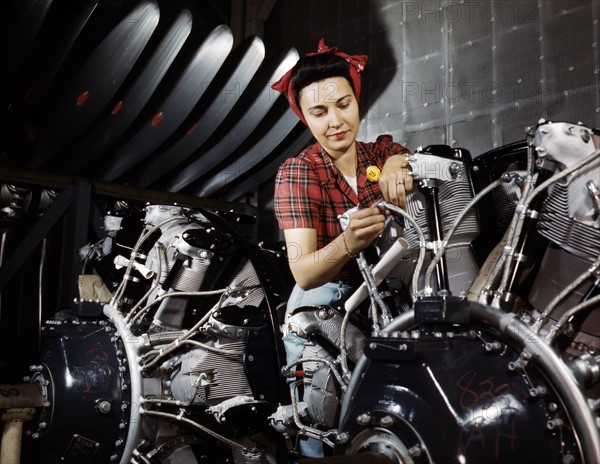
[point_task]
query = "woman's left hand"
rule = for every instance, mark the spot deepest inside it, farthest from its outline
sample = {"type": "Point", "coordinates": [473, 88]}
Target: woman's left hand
{"type": "Point", "coordinates": [395, 180]}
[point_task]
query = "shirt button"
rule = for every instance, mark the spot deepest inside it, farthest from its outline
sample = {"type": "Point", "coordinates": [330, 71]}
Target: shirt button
{"type": "Point", "coordinates": [373, 173]}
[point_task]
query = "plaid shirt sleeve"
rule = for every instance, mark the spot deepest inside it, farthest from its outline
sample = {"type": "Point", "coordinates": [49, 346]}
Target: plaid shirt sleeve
{"type": "Point", "coordinates": [385, 147]}
{"type": "Point", "coordinates": [297, 195]}
{"type": "Point", "coordinates": [308, 192]}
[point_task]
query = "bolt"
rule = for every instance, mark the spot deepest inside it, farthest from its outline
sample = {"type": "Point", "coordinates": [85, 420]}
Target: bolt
{"type": "Point", "coordinates": [324, 314]}
{"type": "Point", "coordinates": [363, 419]}
{"type": "Point", "coordinates": [342, 438]}
{"type": "Point", "coordinates": [104, 407]}
{"type": "Point", "coordinates": [554, 423]}
{"type": "Point", "coordinates": [387, 422]}
{"type": "Point", "coordinates": [493, 346]}
{"type": "Point", "coordinates": [454, 168]}
{"type": "Point", "coordinates": [414, 451]}
{"type": "Point", "coordinates": [540, 390]}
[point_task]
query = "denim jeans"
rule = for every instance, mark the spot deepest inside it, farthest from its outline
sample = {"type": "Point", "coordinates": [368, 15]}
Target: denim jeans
{"type": "Point", "coordinates": [320, 296]}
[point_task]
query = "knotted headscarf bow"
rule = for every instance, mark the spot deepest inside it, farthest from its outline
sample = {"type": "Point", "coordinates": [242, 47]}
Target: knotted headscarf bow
{"type": "Point", "coordinates": [357, 64]}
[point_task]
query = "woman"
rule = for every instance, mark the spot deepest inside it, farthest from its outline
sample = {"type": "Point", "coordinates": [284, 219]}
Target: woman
{"type": "Point", "coordinates": [328, 179]}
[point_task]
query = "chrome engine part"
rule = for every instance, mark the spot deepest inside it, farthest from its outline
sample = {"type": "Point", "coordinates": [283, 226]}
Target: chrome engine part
{"type": "Point", "coordinates": [322, 383]}
{"type": "Point", "coordinates": [443, 183]}
{"type": "Point", "coordinates": [570, 220]}
{"type": "Point", "coordinates": [183, 366]}
{"type": "Point", "coordinates": [442, 176]}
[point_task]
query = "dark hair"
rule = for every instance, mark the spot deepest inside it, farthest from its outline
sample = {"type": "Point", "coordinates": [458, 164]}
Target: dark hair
{"type": "Point", "coordinates": [317, 67]}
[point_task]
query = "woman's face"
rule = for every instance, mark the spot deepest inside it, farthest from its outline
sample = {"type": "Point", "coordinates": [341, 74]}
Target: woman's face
{"type": "Point", "coordinates": [331, 113]}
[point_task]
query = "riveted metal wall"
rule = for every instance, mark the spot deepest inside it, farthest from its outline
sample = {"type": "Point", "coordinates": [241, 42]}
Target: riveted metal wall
{"type": "Point", "coordinates": [465, 73]}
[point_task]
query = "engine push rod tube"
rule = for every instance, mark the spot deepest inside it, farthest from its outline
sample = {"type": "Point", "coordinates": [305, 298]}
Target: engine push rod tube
{"type": "Point", "coordinates": [579, 319]}
{"type": "Point", "coordinates": [527, 244]}
{"type": "Point", "coordinates": [455, 224]}
{"type": "Point", "coordinates": [430, 189]}
{"type": "Point", "coordinates": [399, 212]}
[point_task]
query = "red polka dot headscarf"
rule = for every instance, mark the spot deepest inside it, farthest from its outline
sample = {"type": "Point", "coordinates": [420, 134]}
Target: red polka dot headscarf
{"type": "Point", "coordinates": [357, 64]}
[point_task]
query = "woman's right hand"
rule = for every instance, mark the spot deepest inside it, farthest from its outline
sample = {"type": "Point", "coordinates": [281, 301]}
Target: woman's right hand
{"type": "Point", "coordinates": [312, 267]}
{"type": "Point", "coordinates": [364, 226]}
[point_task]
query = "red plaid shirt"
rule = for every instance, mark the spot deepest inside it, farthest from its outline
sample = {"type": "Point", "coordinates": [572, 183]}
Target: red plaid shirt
{"type": "Point", "coordinates": [311, 192]}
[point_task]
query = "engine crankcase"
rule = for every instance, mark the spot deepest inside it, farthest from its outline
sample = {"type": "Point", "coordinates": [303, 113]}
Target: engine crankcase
{"type": "Point", "coordinates": [440, 391]}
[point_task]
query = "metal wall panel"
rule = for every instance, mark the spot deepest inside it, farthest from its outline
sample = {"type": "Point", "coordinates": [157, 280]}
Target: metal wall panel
{"type": "Point", "coordinates": [467, 73]}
